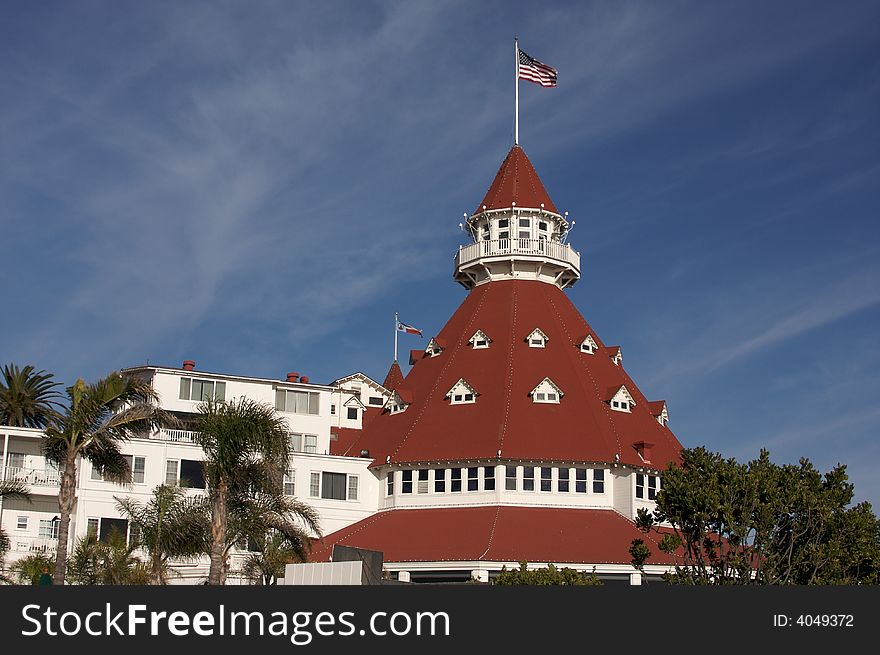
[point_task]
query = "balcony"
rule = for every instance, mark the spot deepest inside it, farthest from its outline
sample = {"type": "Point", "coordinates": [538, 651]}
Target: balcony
{"type": "Point", "coordinates": [175, 436]}
{"type": "Point", "coordinates": [35, 477]}
{"type": "Point", "coordinates": [33, 545]}
{"type": "Point", "coordinates": [536, 249]}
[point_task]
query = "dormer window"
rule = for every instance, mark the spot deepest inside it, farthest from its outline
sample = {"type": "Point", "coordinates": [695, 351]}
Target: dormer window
{"type": "Point", "coordinates": [462, 393]}
{"type": "Point", "coordinates": [659, 412]}
{"type": "Point", "coordinates": [537, 339]}
{"type": "Point", "coordinates": [615, 354]}
{"type": "Point", "coordinates": [546, 392]}
{"type": "Point", "coordinates": [588, 345]}
{"type": "Point", "coordinates": [479, 340]}
{"type": "Point", "coordinates": [399, 401]}
{"type": "Point", "coordinates": [435, 347]}
{"type": "Point", "coordinates": [620, 399]}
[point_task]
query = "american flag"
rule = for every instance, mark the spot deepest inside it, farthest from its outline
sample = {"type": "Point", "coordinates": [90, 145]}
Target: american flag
{"type": "Point", "coordinates": [536, 71]}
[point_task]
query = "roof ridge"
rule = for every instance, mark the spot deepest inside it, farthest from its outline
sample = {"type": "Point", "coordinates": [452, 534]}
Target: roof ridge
{"type": "Point", "coordinates": [491, 533]}
{"type": "Point", "coordinates": [586, 368]}
{"type": "Point", "coordinates": [439, 377]}
{"type": "Point", "coordinates": [509, 390]}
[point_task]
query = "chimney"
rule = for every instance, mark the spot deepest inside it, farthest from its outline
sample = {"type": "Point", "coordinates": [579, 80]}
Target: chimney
{"type": "Point", "coordinates": [188, 365]}
{"type": "Point", "coordinates": [304, 379]}
{"type": "Point", "coordinates": [643, 448]}
{"type": "Point", "coordinates": [293, 376]}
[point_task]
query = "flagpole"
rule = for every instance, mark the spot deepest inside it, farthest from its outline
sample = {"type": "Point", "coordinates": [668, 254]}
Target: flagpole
{"type": "Point", "coordinates": [516, 84]}
{"type": "Point", "coordinates": [396, 324]}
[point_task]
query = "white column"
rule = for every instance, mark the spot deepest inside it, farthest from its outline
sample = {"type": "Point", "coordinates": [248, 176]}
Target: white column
{"type": "Point", "coordinates": [635, 578]}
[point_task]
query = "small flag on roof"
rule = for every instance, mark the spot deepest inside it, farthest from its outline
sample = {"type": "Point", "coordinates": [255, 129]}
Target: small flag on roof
{"type": "Point", "coordinates": [409, 329]}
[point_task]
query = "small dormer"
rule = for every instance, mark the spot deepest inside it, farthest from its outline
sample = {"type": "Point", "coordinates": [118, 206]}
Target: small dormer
{"type": "Point", "coordinates": [462, 393]}
{"type": "Point", "coordinates": [659, 411]}
{"type": "Point", "coordinates": [435, 347]}
{"type": "Point", "coordinates": [546, 392]}
{"type": "Point", "coordinates": [620, 399]}
{"type": "Point", "coordinates": [643, 449]}
{"type": "Point", "coordinates": [537, 339]}
{"type": "Point", "coordinates": [588, 345]}
{"type": "Point", "coordinates": [354, 408]}
{"type": "Point", "coordinates": [399, 401]}
{"type": "Point", "coordinates": [615, 354]}
{"type": "Point", "coordinates": [479, 340]}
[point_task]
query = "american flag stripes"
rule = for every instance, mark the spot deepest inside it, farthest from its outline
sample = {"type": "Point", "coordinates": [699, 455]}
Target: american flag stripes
{"type": "Point", "coordinates": [535, 71]}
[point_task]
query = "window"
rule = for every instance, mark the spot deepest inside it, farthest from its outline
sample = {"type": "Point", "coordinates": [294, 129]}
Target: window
{"type": "Point", "coordinates": [303, 443]}
{"type": "Point", "coordinates": [546, 478]}
{"type": "Point", "coordinates": [49, 529]}
{"type": "Point", "coordinates": [588, 345]}
{"type": "Point", "coordinates": [525, 234]}
{"type": "Point", "coordinates": [389, 484]}
{"type": "Point", "coordinates": [510, 478]}
{"type": "Point", "coordinates": [92, 526]}
{"type": "Point", "coordinates": [504, 235]}
{"type": "Point", "coordinates": [21, 523]}
{"type": "Point", "coordinates": [202, 390]}
{"type": "Point", "coordinates": [537, 339]}
{"type": "Point", "coordinates": [171, 468]}
{"type": "Point", "coordinates": [134, 535]}
{"type": "Point", "coordinates": [473, 479]}
{"type": "Point", "coordinates": [376, 401]}
{"type": "Point", "coordinates": [138, 470]}
{"type": "Point", "coordinates": [440, 481]}
{"type": "Point", "coordinates": [192, 474]}
{"type": "Point", "coordinates": [290, 482]}
{"type": "Point", "coordinates": [297, 402]}
{"type": "Point", "coordinates": [333, 486]}
{"type": "Point", "coordinates": [461, 393]}
{"type": "Point", "coordinates": [653, 486]}
{"type": "Point", "coordinates": [580, 481]}
{"type": "Point", "coordinates": [423, 481]}
{"type": "Point", "coordinates": [314, 485]}
{"type": "Point", "coordinates": [109, 526]}
{"type": "Point", "coordinates": [96, 473]}
{"type": "Point", "coordinates": [503, 223]}
{"type": "Point", "coordinates": [455, 484]}
{"type": "Point", "coordinates": [620, 399]}
{"type": "Point", "coordinates": [562, 483]}
{"type": "Point", "coordinates": [406, 485]}
{"type": "Point", "coordinates": [542, 225]}
{"type": "Point", "coordinates": [352, 487]}
{"type": "Point", "coordinates": [489, 478]}
{"type": "Point", "coordinates": [528, 478]}
{"type": "Point", "coordinates": [525, 222]}
{"type": "Point", "coordinates": [479, 340]}
{"type": "Point", "coordinates": [599, 481]}
{"type": "Point", "coordinates": [15, 460]}
{"type": "Point", "coordinates": [352, 413]}
{"type": "Point", "coordinates": [546, 392]}
{"type": "Point", "coordinates": [332, 410]}
{"type": "Point", "coordinates": [434, 348]}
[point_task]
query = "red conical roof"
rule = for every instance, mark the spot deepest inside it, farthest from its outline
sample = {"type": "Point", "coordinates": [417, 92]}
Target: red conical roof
{"type": "Point", "coordinates": [582, 427]}
{"type": "Point", "coordinates": [394, 379]}
{"type": "Point", "coordinates": [517, 181]}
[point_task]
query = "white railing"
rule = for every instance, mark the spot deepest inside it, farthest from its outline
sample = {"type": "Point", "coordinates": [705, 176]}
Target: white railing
{"type": "Point", "coordinates": [177, 436]}
{"type": "Point", "coordinates": [33, 476]}
{"type": "Point", "coordinates": [33, 545]}
{"type": "Point", "coordinates": [534, 247]}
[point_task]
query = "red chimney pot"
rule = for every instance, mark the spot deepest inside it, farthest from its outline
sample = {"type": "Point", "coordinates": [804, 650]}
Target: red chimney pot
{"type": "Point", "coordinates": [188, 364]}
{"type": "Point", "coordinates": [304, 379]}
{"type": "Point", "coordinates": [293, 376]}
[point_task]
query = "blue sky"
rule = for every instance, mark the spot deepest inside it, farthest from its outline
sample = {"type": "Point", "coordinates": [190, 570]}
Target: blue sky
{"type": "Point", "coordinates": [259, 186]}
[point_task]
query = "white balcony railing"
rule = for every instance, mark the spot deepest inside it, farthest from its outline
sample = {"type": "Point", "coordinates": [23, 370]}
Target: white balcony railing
{"type": "Point", "coordinates": [33, 545]}
{"type": "Point", "coordinates": [537, 248]}
{"type": "Point", "coordinates": [37, 477]}
{"type": "Point", "coordinates": [177, 436]}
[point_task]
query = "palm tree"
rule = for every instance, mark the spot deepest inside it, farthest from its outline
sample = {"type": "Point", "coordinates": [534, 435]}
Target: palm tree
{"type": "Point", "coordinates": [27, 397]}
{"type": "Point", "coordinates": [27, 570]}
{"type": "Point", "coordinates": [266, 564]}
{"type": "Point", "coordinates": [9, 489]}
{"type": "Point", "coordinates": [99, 417]}
{"type": "Point", "coordinates": [110, 562]}
{"type": "Point", "coordinates": [168, 526]}
{"type": "Point", "coordinates": [246, 449]}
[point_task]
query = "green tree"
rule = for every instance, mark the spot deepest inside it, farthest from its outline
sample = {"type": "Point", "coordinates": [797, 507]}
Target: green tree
{"type": "Point", "coordinates": [28, 398]}
{"type": "Point", "coordinates": [28, 569]}
{"type": "Point", "coordinates": [266, 564]}
{"type": "Point", "coordinates": [110, 562]}
{"type": "Point", "coordinates": [548, 576]}
{"type": "Point", "coordinates": [9, 489]}
{"type": "Point", "coordinates": [761, 523]}
{"type": "Point", "coordinates": [99, 417]}
{"type": "Point", "coordinates": [246, 449]}
{"type": "Point", "coordinates": [169, 526]}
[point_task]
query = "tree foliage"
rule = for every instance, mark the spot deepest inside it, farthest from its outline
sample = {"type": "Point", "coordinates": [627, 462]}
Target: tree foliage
{"type": "Point", "coordinates": [28, 398]}
{"type": "Point", "coordinates": [111, 562]}
{"type": "Point", "coordinates": [9, 489]}
{"type": "Point", "coordinates": [273, 551]}
{"type": "Point", "coordinates": [546, 576]}
{"type": "Point", "coordinates": [761, 523]}
{"type": "Point", "coordinates": [28, 569]}
{"type": "Point", "coordinates": [98, 418]}
{"type": "Point", "coordinates": [247, 449]}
